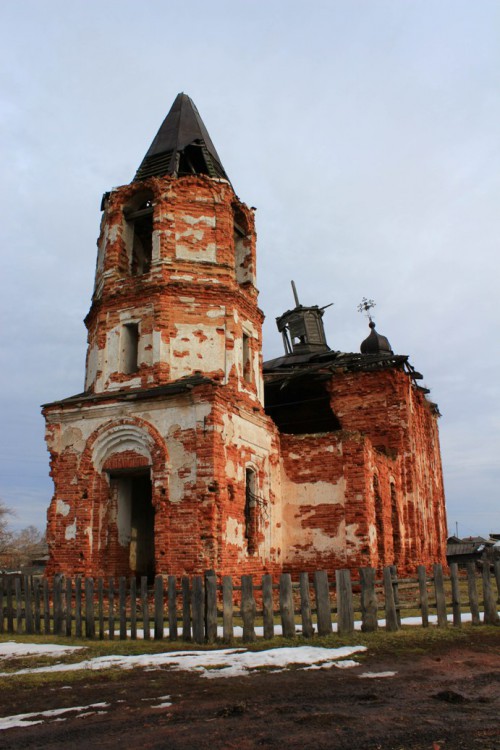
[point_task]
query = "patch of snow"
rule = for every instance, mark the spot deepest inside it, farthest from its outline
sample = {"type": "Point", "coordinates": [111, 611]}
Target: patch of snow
{"type": "Point", "coordinates": [24, 720]}
{"type": "Point", "coordinates": [375, 675]}
{"type": "Point", "coordinates": [218, 663]}
{"type": "Point", "coordinates": [11, 649]}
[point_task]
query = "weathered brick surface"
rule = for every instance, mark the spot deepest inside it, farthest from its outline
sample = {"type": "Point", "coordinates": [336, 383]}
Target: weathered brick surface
{"type": "Point", "coordinates": [370, 493]}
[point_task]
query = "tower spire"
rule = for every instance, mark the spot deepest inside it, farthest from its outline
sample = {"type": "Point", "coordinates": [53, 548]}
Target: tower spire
{"type": "Point", "coordinates": [182, 146]}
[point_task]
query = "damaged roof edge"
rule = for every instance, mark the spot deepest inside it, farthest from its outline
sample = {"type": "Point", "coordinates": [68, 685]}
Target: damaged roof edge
{"type": "Point", "coordinates": [179, 386]}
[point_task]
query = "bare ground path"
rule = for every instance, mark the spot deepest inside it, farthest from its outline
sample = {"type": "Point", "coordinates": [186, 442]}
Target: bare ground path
{"type": "Point", "coordinates": [447, 697]}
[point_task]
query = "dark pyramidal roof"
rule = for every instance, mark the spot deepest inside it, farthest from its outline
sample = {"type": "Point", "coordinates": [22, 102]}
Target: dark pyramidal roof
{"type": "Point", "coordinates": [182, 146]}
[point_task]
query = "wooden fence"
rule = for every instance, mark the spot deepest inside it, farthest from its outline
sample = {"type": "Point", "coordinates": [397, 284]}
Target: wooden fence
{"type": "Point", "coordinates": [202, 611]}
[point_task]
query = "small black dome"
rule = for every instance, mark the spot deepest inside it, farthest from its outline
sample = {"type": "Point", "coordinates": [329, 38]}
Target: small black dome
{"type": "Point", "coordinates": [375, 343]}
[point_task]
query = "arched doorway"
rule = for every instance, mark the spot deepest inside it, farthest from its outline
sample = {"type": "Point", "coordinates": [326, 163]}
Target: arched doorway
{"type": "Point", "coordinates": [132, 491]}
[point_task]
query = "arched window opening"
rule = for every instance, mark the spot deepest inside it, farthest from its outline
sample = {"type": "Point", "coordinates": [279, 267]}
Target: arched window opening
{"type": "Point", "coordinates": [139, 216]}
{"type": "Point", "coordinates": [242, 247]}
{"type": "Point", "coordinates": [396, 529]}
{"type": "Point", "coordinates": [251, 505]}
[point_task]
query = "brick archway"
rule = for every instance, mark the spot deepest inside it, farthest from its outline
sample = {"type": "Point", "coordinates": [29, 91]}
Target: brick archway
{"type": "Point", "coordinates": [118, 455]}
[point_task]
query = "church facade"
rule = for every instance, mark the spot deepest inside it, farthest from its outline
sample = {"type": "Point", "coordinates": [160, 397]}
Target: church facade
{"type": "Point", "coordinates": [185, 452]}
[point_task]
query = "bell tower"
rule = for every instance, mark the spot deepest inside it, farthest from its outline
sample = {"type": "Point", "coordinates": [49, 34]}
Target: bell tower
{"type": "Point", "coordinates": [175, 287]}
{"type": "Point", "coordinates": [163, 463]}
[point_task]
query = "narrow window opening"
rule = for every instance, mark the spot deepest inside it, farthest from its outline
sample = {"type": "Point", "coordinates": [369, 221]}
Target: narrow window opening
{"type": "Point", "coordinates": [141, 222]}
{"type": "Point", "coordinates": [250, 511]}
{"type": "Point", "coordinates": [247, 359]}
{"type": "Point", "coordinates": [130, 348]}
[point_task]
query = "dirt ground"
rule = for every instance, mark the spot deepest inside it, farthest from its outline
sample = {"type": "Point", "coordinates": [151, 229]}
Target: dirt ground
{"type": "Point", "coordinates": [447, 698]}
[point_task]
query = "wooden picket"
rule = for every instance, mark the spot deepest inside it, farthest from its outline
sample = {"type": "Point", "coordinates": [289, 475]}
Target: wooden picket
{"type": "Point", "coordinates": [202, 610]}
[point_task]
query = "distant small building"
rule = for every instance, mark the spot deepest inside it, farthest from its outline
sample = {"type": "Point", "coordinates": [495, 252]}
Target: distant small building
{"type": "Point", "coordinates": [475, 549]}
{"type": "Point", "coordinates": [185, 452]}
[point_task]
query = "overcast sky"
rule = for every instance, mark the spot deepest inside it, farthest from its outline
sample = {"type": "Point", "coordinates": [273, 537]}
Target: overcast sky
{"type": "Point", "coordinates": [366, 133]}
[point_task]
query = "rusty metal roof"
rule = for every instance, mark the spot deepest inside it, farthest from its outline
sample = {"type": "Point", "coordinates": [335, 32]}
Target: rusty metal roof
{"type": "Point", "coordinates": [182, 145]}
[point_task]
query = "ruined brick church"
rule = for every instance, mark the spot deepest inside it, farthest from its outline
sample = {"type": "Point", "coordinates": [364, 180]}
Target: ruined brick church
{"type": "Point", "coordinates": [185, 452]}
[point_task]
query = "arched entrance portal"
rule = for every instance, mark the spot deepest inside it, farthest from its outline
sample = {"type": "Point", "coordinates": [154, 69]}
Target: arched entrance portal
{"type": "Point", "coordinates": [135, 519]}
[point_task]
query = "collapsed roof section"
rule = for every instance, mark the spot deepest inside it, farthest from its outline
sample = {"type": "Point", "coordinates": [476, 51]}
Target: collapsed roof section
{"type": "Point", "coordinates": [297, 398]}
{"type": "Point", "coordinates": [182, 146]}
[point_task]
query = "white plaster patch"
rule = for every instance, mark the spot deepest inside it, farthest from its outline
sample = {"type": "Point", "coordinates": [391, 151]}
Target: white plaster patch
{"type": "Point", "coordinates": [217, 312]}
{"type": "Point", "coordinates": [62, 508]}
{"type": "Point", "coordinates": [72, 437]}
{"type": "Point", "coordinates": [70, 531]}
{"type": "Point", "coordinates": [209, 221]}
{"type": "Point", "coordinates": [204, 253]}
{"type": "Point", "coordinates": [230, 470]}
{"type": "Point", "coordinates": [89, 533]}
{"type": "Point", "coordinates": [351, 536]}
{"type": "Point", "coordinates": [184, 462]}
{"type": "Point", "coordinates": [201, 340]}
{"type": "Point", "coordinates": [372, 534]}
{"type": "Point", "coordinates": [234, 532]}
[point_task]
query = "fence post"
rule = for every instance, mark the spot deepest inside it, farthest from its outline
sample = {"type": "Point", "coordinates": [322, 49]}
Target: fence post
{"type": "Point", "coordinates": [57, 605]}
{"type": "Point", "coordinates": [286, 606]}
{"type": "Point", "coordinates": [100, 606]}
{"type": "Point", "coordinates": [391, 619]}
{"type": "Point", "coordinates": [267, 606]}
{"type": "Point", "coordinates": [78, 607]}
{"type": "Point", "coordinates": [211, 605]}
{"type": "Point", "coordinates": [158, 608]}
{"type": "Point", "coordinates": [198, 610]}
{"type": "Point", "coordinates": [36, 601]}
{"type": "Point", "coordinates": [247, 609]}
{"type": "Point", "coordinates": [227, 609]}
{"type": "Point", "coordinates": [122, 607]}
{"type": "Point", "coordinates": [46, 608]}
{"type": "Point", "coordinates": [68, 604]}
{"type": "Point", "coordinates": [496, 568]}
{"type": "Point", "coordinates": [27, 604]}
{"type": "Point", "coordinates": [369, 619]}
{"type": "Point", "coordinates": [345, 611]}
{"type": "Point", "coordinates": [424, 600]}
{"type": "Point", "coordinates": [89, 608]}
{"type": "Point", "coordinates": [186, 609]}
{"type": "Point", "coordinates": [440, 596]}
{"type": "Point", "coordinates": [172, 608]}
{"type": "Point", "coordinates": [2, 582]}
{"type": "Point", "coordinates": [133, 608]}
{"type": "Point", "coordinates": [323, 607]}
{"type": "Point", "coordinates": [455, 595]}
{"type": "Point", "coordinates": [395, 588]}
{"type": "Point", "coordinates": [111, 608]}
{"type": "Point", "coordinates": [305, 606]}
{"type": "Point", "coordinates": [472, 591]}
{"type": "Point", "coordinates": [145, 608]}
{"type": "Point", "coordinates": [490, 607]}
{"type": "Point", "coordinates": [19, 605]}
{"type": "Point", "coordinates": [10, 607]}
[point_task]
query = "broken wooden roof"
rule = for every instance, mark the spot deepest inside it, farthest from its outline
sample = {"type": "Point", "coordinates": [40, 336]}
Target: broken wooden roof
{"type": "Point", "coordinates": [182, 146]}
{"type": "Point", "coordinates": [332, 360]}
